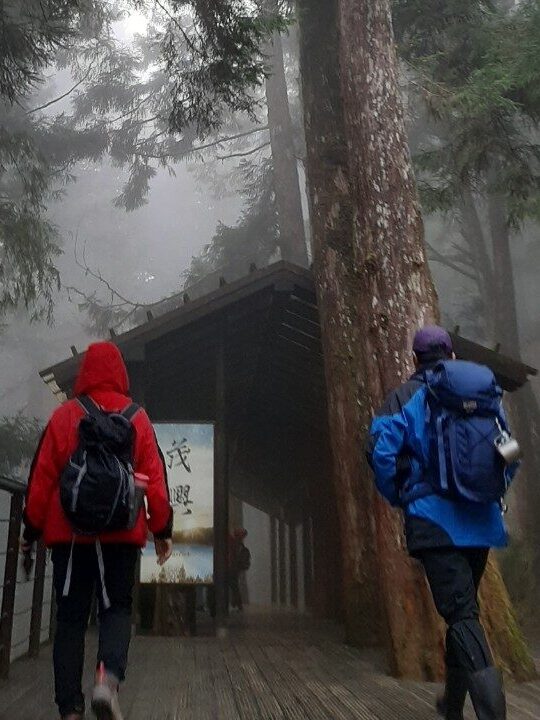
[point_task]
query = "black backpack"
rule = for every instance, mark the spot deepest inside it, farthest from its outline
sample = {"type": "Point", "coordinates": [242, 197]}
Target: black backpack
{"type": "Point", "coordinates": [97, 486]}
{"type": "Point", "coordinates": [243, 559]}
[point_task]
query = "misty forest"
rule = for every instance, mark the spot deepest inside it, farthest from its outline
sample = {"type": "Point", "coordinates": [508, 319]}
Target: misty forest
{"type": "Point", "coordinates": [152, 151]}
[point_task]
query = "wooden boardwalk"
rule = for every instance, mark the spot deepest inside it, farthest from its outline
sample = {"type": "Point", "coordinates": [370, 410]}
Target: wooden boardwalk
{"type": "Point", "coordinates": [269, 668]}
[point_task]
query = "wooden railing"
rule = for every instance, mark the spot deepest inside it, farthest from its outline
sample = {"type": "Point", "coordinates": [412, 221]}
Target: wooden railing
{"type": "Point", "coordinates": [12, 568]}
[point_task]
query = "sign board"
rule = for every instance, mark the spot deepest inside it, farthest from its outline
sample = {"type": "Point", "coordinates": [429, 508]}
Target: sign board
{"type": "Point", "coordinates": [188, 450]}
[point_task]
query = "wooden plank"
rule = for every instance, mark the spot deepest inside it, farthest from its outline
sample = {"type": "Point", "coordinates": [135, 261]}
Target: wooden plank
{"type": "Point", "coordinates": [301, 666]}
{"type": "Point", "coordinates": [280, 666]}
{"type": "Point", "coordinates": [305, 310]}
{"type": "Point", "coordinates": [296, 701]}
{"type": "Point", "coordinates": [221, 489]}
{"type": "Point", "coordinates": [248, 706]}
{"type": "Point", "coordinates": [257, 683]}
{"type": "Point", "coordinates": [310, 326]}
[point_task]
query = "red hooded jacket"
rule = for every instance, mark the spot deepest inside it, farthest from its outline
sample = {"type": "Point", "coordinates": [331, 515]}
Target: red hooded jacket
{"type": "Point", "coordinates": [103, 377]}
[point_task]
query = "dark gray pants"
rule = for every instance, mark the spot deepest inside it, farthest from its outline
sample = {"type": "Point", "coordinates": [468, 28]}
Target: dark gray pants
{"type": "Point", "coordinates": [454, 575]}
{"type": "Point", "coordinates": [73, 613]}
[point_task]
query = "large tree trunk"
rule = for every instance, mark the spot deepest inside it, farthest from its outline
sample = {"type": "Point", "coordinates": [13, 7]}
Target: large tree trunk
{"type": "Point", "coordinates": [374, 290]}
{"type": "Point", "coordinates": [332, 231]}
{"type": "Point", "coordinates": [286, 181]}
{"type": "Point", "coordinates": [394, 290]}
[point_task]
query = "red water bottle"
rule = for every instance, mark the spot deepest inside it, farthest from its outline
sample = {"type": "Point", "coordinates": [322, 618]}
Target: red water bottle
{"type": "Point", "coordinates": [141, 486]}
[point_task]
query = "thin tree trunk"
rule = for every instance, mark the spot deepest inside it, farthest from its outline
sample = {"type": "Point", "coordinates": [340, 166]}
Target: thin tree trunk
{"type": "Point", "coordinates": [503, 272]}
{"type": "Point", "coordinates": [473, 234]}
{"type": "Point", "coordinates": [523, 405]}
{"type": "Point", "coordinates": [331, 218]}
{"type": "Point", "coordinates": [497, 290]}
{"type": "Point", "coordinates": [286, 180]}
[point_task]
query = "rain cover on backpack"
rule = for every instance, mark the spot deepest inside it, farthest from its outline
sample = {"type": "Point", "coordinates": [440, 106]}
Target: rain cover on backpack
{"type": "Point", "coordinates": [465, 417]}
{"type": "Point", "coordinates": [97, 487]}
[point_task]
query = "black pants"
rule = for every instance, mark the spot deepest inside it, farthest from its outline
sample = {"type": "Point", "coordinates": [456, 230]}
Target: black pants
{"type": "Point", "coordinates": [454, 575]}
{"type": "Point", "coordinates": [73, 613]}
{"type": "Point", "coordinates": [236, 593]}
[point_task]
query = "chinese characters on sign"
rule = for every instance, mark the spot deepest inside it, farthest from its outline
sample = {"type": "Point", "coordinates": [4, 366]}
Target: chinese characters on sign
{"type": "Point", "coordinates": [188, 451]}
{"type": "Point", "coordinates": [178, 455]}
{"type": "Point", "coordinates": [180, 496]}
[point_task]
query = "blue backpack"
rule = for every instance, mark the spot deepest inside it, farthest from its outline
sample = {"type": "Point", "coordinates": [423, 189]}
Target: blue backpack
{"type": "Point", "coordinates": [465, 417]}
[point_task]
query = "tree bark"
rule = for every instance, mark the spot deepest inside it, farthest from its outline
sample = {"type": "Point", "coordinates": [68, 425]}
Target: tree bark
{"type": "Point", "coordinates": [374, 290]}
{"type": "Point", "coordinates": [286, 180]}
{"type": "Point", "coordinates": [332, 232]}
{"type": "Point", "coordinates": [395, 293]}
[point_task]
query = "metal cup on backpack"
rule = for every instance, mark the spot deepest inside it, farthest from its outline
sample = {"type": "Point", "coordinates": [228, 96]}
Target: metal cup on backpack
{"type": "Point", "coordinates": [508, 448]}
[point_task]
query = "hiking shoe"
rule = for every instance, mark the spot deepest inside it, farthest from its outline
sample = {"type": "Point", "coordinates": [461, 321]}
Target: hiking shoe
{"type": "Point", "coordinates": [450, 704]}
{"type": "Point", "coordinates": [105, 705]}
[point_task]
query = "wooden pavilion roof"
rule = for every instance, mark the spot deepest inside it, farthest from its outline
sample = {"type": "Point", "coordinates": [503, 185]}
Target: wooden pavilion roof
{"type": "Point", "coordinates": [273, 341]}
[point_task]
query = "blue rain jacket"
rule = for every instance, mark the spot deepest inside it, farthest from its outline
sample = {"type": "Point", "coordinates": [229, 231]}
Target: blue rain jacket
{"type": "Point", "coordinates": [398, 454]}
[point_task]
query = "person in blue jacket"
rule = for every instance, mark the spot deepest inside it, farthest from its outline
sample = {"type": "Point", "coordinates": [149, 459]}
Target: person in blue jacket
{"type": "Point", "coordinates": [451, 538]}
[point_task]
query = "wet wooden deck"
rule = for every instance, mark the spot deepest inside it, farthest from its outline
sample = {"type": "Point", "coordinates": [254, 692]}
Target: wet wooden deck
{"type": "Point", "coordinates": [269, 668]}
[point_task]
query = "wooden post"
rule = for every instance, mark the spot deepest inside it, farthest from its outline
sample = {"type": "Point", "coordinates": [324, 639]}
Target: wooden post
{"type": "Point", "coordinates": [282, 562]}
{"type": "Point", "coordinates": [221, 491]}
{"type": "Point", "coordinates": [320, 598]}
{"type": "Point", "coordinates": [307, 551]}
{"type": "Point", "coordinates": [236, 510]}
{"type": "Point", "coordinates": [137, 370]}
{"type": "Point", "coordinates": [34, 641]}
{"type": "Point", "coordinates": [293, 564]}
{"type": "Point", "coordinates": [10, 582]}
{"type": "Point", "coordinates": [273, 560]}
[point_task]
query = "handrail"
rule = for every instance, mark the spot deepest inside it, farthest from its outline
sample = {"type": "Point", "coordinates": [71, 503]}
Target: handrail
{"type": "Point", "coordinates": [11, 485]}
{"type": "Point", "coordinates": [17, 490]}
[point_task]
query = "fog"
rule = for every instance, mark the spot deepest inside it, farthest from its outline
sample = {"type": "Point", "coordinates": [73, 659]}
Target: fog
{"type": "Point", "coordinates": [142, 253]}
{"type": "Point", "coordinates": [219, 199]}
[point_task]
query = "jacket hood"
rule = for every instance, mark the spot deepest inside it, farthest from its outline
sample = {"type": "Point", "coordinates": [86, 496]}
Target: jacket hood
{"type": "Point", "coordinates": [102, 368]}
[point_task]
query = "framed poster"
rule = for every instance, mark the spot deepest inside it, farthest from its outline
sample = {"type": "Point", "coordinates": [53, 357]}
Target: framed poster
{"type": "Point", "coordinates": [188, 450]}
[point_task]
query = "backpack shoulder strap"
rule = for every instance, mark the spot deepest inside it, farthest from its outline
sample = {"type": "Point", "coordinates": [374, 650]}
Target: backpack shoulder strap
{"type": "Point", "coordinates": [89, 406]}
{"type": "Point", "coordinates": [441, 451]}
{"type": "Point", "coordinates": [131, 410]}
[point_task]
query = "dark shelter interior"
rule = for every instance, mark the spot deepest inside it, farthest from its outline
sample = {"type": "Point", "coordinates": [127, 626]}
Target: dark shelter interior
{"type": "Point", "coordinates": [248, 357]}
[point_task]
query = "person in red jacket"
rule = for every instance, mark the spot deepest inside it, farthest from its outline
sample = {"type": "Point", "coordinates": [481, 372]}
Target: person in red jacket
{"type": "Point", "coordinates": [111, 562]}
